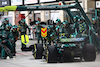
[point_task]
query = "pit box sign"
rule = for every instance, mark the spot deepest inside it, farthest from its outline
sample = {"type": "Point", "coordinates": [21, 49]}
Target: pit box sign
{"type": "Point", "coordinates": [30, 1]}
{"type": "Point", "coordinates": [97, 4]}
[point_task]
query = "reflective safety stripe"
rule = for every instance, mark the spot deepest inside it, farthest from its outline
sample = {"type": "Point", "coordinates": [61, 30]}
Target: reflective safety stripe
{"type": "Point", "coordinates": [47, 56]}
{"type": "Point", "coordinates": [43, 32]}
{"type": "Point", "coordinates": [35, 51]}
{"type": "Point", "coordinates": [24, 39]}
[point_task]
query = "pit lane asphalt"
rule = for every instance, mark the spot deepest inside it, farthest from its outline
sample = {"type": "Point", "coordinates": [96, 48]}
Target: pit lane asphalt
{"type": "Point", "coordinates": [26, 59]}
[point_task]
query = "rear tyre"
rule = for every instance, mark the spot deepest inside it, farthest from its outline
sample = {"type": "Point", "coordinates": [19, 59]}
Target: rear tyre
{"type": "Point", "coordinates": [52, 54]}
{"type": "Point", "coordinates": [67, 55]}
{"type": "Point", "coordinates": [38, 51]}
{"type": "Point", "coordinates": [89, 52]}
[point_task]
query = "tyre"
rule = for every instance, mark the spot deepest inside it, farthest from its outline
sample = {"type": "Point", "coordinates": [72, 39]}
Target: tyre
{"type": "Point", "coordinates": [52, 54]}
{"type": "Point", "coordinates": [67, 55]}
{"type": "Point", "coordinates": [89, 52]}
{"type": "Point", "coordinates": [38, 51]}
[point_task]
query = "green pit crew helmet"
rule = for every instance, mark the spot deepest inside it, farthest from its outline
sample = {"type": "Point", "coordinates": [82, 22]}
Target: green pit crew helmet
{"type": "Point", "coordinates": [52, 34]}
{"type": "Point", "coordinates": [58, 21]}
{"type": "Point", "coordinates": [37, 22]}
{"type": "Point", "coordinates": [22, 21]}
{"type": "Point", "coordinates": [57, 27]}
{"type": "Point", "coordinates": [76, 17]}
{"type": "Point", "coordinates": [93, 19]}
{"type": "Point", "coordinates": [14, 28]}
{"type": "Point", "coordinates": [65, 22]}
{"type": "Point", "coordinates": [49, 27]}
{"type": "Point", "coordinates": [81, 19]}
{"type": "Point", "coordinates": [6, 20]}
{"type": "Point", "coordinates": [8, 26]}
